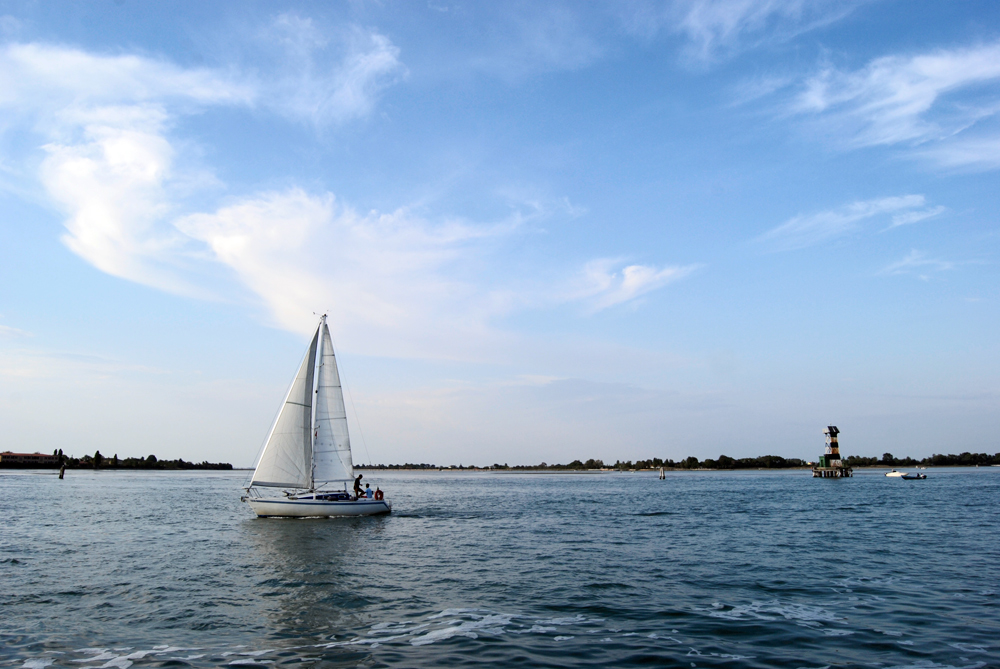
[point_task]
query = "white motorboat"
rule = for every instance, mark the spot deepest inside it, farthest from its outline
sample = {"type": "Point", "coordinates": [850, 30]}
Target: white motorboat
{"type": "Point", "coordinates": [896, 474]}
{"type": "Point", "coordinates": [308, 450]}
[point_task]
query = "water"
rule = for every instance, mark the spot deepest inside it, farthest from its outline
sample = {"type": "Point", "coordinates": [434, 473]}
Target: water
{"type": "Point", "coordinates": [738, 569]}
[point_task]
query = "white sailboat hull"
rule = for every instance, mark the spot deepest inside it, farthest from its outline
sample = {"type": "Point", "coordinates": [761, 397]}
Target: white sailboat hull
{"type": "Point", "coordinates": [311, 508]}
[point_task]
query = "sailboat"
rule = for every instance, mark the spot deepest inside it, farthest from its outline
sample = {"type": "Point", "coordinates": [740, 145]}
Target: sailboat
{"type": "Point", "coordinates": [308, 450]}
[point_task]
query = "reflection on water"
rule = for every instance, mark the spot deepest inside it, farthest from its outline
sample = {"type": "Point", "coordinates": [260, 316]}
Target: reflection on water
{"type": "Point", "coordinates": [737, 569]}
{"type": "Point", "coordinates": [314, 584]}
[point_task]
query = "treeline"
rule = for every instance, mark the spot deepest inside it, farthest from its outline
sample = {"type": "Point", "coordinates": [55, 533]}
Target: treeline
{"type": "Point", "coordinates": [409, 465]}
{"type": "Point", "coordinates": [98, 461]}
{"type": "Point", "coordinates": [936, 460]}
{"type": "Point", "coordinates": [721, 462]}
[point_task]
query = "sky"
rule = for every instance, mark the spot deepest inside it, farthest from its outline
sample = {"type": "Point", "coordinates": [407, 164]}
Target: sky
{"type": "Point", "coordinates": [542, 231]}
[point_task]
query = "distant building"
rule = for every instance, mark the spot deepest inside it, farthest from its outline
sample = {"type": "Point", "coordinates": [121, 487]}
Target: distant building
{"type": "Point", "coordinates": [24, 460]}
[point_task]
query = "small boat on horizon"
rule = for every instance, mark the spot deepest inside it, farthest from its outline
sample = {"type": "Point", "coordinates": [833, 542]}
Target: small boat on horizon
{"type": "Point", "coordinates": [308, 450]}
{"type": "Point", "coordinates": [906, 475]}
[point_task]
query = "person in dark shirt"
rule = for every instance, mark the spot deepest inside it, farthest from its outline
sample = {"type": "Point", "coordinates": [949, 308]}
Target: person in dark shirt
{"type": "Point", "coordinates": [357, 487]}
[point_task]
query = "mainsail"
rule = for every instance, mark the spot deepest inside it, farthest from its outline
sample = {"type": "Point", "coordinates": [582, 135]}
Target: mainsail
{"type": "Point", "coordinates": [331, 443]}
{"type": "Point", "coordinates": [287, 454]}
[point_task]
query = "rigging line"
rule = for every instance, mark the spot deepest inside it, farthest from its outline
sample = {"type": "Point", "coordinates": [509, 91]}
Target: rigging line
{"type": "Point", "coordinates": [350, 396]}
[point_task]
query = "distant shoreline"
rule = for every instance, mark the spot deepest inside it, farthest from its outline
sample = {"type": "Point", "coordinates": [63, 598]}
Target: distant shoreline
{"type": "Point", "coordinates": [474, 470]}
{"type": "Point", "coordinates": [97, 462]}
{"type": "Point", "coordinates": [722, 463]}
{"type": "Point", "coordinates": [536, 470]}
{"type": "Point", "coordinates": [58, 460]}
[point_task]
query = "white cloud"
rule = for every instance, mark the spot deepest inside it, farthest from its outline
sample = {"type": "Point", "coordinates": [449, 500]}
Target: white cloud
{"type": "Point", "coordinates": [104, 122]}
{"type": "Point", "coordinates": [539, 38]}
{"type": "Point", "coordinates": [606, 283]}
{"type": "Point", "coordinates": [395, 278]}
{"type": "Point", "coordinates": [972, 153]}
{"type": "Point", "coordinates": [908, 217]}
{"type": "Point", "coordinates": [101, 123]}
{"type": "Point", "coordinates": [718, 28]}
{"type": "Point", "coordinates": [325, 78]}
{"type": "Point", "coordinates": [806, 230]}
{"type": "Point", "coordinates": [8, 331]}
{"type": "Point", "coordinates": [54, 79]}
{"type": "Point", "coordinates": [916, 262]}
{"type": "Point", "coordinates": [529, 203]}
{"type": "Point", "coordinates": [760, 86]}
{"type": "Point", "coordinates": [913, 100]}
{"type": "Point", "coordinates": [307, 74]}
{"type": "Point", "coordinates": [112, 187]}
{"type": "Point", "coordinates": [408, 286]}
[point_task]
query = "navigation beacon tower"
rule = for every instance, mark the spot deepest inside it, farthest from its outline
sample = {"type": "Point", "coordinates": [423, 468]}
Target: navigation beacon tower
{"type": "Point", "coordinates": [830, 464]}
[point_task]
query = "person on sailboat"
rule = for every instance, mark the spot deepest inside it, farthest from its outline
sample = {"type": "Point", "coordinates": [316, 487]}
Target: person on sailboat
{"type": "Point", "coordinates": [357, 487]}
{"type": "Point", "coordinates": [368, 491]}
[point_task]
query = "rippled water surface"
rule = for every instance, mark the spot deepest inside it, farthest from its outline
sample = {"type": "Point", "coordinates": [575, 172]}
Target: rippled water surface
{"type": "Point", "coordinates": [740, 569]}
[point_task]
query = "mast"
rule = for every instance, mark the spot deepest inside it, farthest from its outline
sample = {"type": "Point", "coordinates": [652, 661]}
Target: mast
{"type": "Point", "coordinates": [314, 432]}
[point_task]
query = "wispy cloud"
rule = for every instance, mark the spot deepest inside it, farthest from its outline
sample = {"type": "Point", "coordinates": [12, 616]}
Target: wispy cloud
{"type": "Point", "coordinates": [540, 37]}
{"type": "Point", "coordinates": [57, 81]}
{"type": "Point", "coordinates": [761, 86]}
{"type": "Point", "coordinates": [410, 285]}
{"type": "Point", "coordinates": [927, 100]}
{"type": "Point", "coordinates": [809, 229]}
{"type": "Point", "coordinates": [915, 216]}
{"type": "Point", "coordinates": [385, 273]}
{"type": "Point", "coordinates": [325, 76]}
{"type": "Point", "coordinates": [916, 262]}
{"type": "Point", "coordinates": [8, 331]}
{"type": "Point", "coordinates": [607, 282]}
{"type": "Point", "coordinates": [979, 153]}
{"type": "Point", "coordinates": [104, 125]}
{"type": "Point", "coordinates": [9, 25]}
{"type": "Point", "coordinates": [312, 75]}
{"type": "Point", "coordinates": [35, 364]}
{"type": "Point", "coordinates": [529, 203]}
{"type": "Point", "coordinates": [715, 29]}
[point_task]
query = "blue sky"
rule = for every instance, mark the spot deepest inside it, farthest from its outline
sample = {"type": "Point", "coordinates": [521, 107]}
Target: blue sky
{"type": "Point", "coordinates": [542, 231]}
